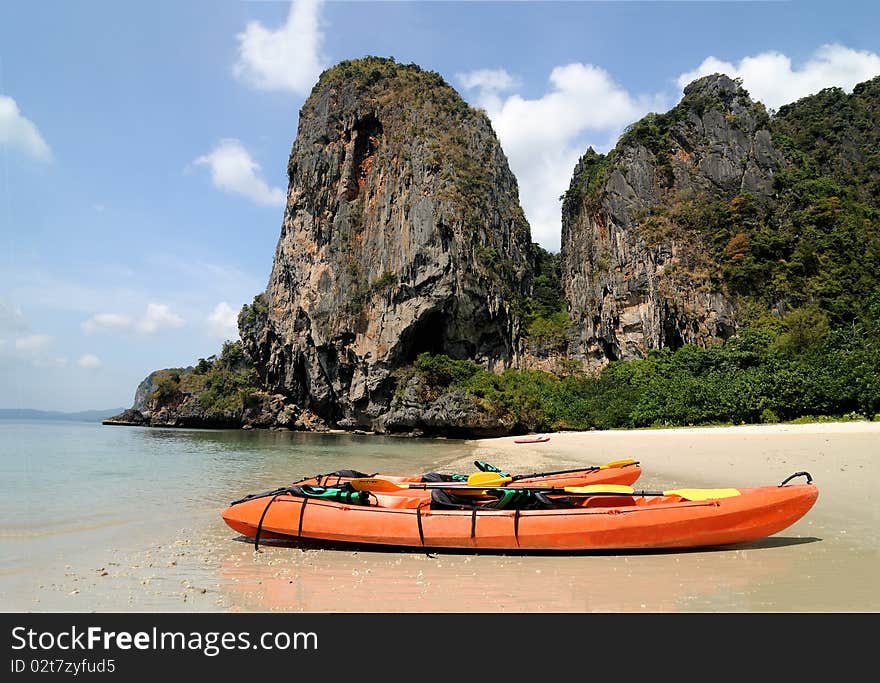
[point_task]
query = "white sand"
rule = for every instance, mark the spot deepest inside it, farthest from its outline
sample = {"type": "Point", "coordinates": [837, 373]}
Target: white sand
{"type": "Point", "coordinates": [842, 457]}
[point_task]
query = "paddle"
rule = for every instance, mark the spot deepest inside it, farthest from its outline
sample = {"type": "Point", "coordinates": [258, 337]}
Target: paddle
{"type": "Point", "coordinates": [489, 478]}
{"type": "Point", "coordinates": [383, 485]}
{"type": "Point", "coordinates": [493, 478]}
{"type": "Point", "coordinates": [687, 494]}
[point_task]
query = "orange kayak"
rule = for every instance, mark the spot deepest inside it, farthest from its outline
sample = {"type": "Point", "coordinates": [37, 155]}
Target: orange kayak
{"type": "Point", "coordinates": [615, 472]}
{"type": "Point", "coordinates": [571, 518]}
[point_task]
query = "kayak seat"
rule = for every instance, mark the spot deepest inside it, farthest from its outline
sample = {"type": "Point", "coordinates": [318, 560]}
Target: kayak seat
{"type": "Point", "coordinates": [438, 477]}
{"type": "Point", "coordinates": [350, 474]}
{"type": "Point", "coordinates": [512, 499]}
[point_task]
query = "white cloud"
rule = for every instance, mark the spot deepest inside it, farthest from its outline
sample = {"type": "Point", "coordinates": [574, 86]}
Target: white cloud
{"type": "Point", "coordinates": [544, 137]}
{"type": "Point", "coordinates": [493, 80]}
{"type": "Point", "coordinates": [770, 77]}
{"type": "Point", "coordinates": [287, 58]}
{"type": "Point", "coordinates": [32, 342]}
{"type": "Point", "coordinates": [18, 131]}
{"type": "Point", "coordinates": [233, 170]}
{"type": "Point", "coordinates": [156, 317]}
{"type": "Point", "coordinates": [223, 322]}
{"type": "Point", "coordinates": [89, 360]}
{"type": "Point", "coordinates": [32, 348]}
{"type": "Point", "coordinates": [106, 322]}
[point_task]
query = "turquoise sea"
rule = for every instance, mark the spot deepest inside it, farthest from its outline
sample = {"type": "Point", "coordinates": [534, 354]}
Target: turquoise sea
{"type": "Point", "coordinates": [72, 491]}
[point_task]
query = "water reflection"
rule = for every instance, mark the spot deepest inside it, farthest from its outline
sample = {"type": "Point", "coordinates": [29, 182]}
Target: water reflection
{"type": "Point", "coordinates": [289, 579]}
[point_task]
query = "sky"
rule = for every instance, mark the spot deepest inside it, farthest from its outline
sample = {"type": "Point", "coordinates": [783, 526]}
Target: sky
{"type": "Point", "coordinates": [143, 146]}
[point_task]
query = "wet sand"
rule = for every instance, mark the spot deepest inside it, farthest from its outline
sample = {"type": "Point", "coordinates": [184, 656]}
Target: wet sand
{"type": "Point", "coordinates": [827, 562]}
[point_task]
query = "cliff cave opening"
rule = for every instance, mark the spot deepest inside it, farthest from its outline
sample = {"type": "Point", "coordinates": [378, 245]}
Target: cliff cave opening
{"type": "Point", "coordinates": [425, 335]}
{"type": "Point", "coordinates": [672, 338]}
{"type": "Point", "coordinates": [609, 349]}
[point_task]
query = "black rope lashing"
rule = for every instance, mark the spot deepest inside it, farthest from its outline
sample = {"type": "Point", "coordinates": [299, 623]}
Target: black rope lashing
{"type": "Point", "coordinates": [302, 512]}
{"type": "Point", "coordinates": [419, 522]}
{"type": "Point", "coordinates": [516, 526]}
{"type": "Point", "coordinates": [474, 522]}
{"type": "Point", "coordinates": [798, 474]}
{"type": "Point", "coordinates": [266, 494]}
{"type": "Point", "coordinates": [421, 531]}
{"type": "Point", "coordinates": [260, 523]}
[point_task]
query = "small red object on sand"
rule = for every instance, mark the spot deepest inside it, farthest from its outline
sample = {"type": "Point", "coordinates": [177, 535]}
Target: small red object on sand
{"type": "Point", "coordinates": [532, 439]}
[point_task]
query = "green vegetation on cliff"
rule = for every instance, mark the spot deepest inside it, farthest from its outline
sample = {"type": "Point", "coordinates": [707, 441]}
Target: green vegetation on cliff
{"type": "Point", "coordinates": [815, 241]}
{"type": "Point", "coordinates": [223, 385]}
{"type": "Point", "coordinates": [836, 135]}
{"type": "Point", "coordinates": [590, 176]}
{"type": "Point", "coordinates": [545, 313]}
{"type": "Point", "coordinates": [797, 368]}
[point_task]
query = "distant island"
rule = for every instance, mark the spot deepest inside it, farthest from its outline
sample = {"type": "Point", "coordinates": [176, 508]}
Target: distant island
{"type": "Point", "coordinates": [79, 416]}
{"type": "Point", "coordinates": [720, 265]}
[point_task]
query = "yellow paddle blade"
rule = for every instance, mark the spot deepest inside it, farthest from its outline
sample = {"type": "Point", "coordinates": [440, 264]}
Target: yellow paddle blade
{"type": "Point", "coordinates": [617, 463]}
{"type": "Point", "coordinates": [703, 494]}
{"type": "Point", "coordinates": [375, 484]}
{"type": "Point", "coordinates": [487, 479]}
{"type": "Point", "coordinates": [601, 488]}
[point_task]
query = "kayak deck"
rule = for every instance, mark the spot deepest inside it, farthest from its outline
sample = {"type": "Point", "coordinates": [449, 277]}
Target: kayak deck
{"type": "Point", "coordinates": [622, 472]}
{"type": "Point", "coordinates": [600, 522]}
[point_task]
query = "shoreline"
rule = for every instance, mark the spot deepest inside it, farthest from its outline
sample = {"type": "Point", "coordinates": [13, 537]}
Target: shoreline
{"type": "Point", "coordinates": [193, 562]}
{"type": "Point", "coordinates": [808, 427]}
{"type": "Point", "coordinates": [868, 425]}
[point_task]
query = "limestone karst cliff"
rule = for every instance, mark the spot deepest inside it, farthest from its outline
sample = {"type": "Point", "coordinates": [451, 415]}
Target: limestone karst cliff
{"type": "Point", "coordinates": [636, 276]}
{"type": "Point", "coordinates": [402, 234]}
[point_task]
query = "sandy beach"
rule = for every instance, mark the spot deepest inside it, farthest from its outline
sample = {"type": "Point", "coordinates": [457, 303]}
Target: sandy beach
{"type": "Point", "coordinates": [842, 457]}
{"type": "Point", "coordinates": [827, 562]}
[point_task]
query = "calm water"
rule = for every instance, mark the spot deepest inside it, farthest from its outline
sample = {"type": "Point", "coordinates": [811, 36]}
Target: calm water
{"type": "Point", "coordinates": [70, 488]}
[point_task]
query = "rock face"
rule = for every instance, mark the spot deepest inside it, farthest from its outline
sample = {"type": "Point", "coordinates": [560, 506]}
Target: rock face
{"type": "Point", "coordinates": [178, 405]}
{"type": "Point", "coordinates": [636, 278]}
{"type": "Point", "coordinates": [402, 234]}
{"type": "Point", "coordinates": [145, 390]}
{"type": "Point", "coordinates": [453, 413]}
